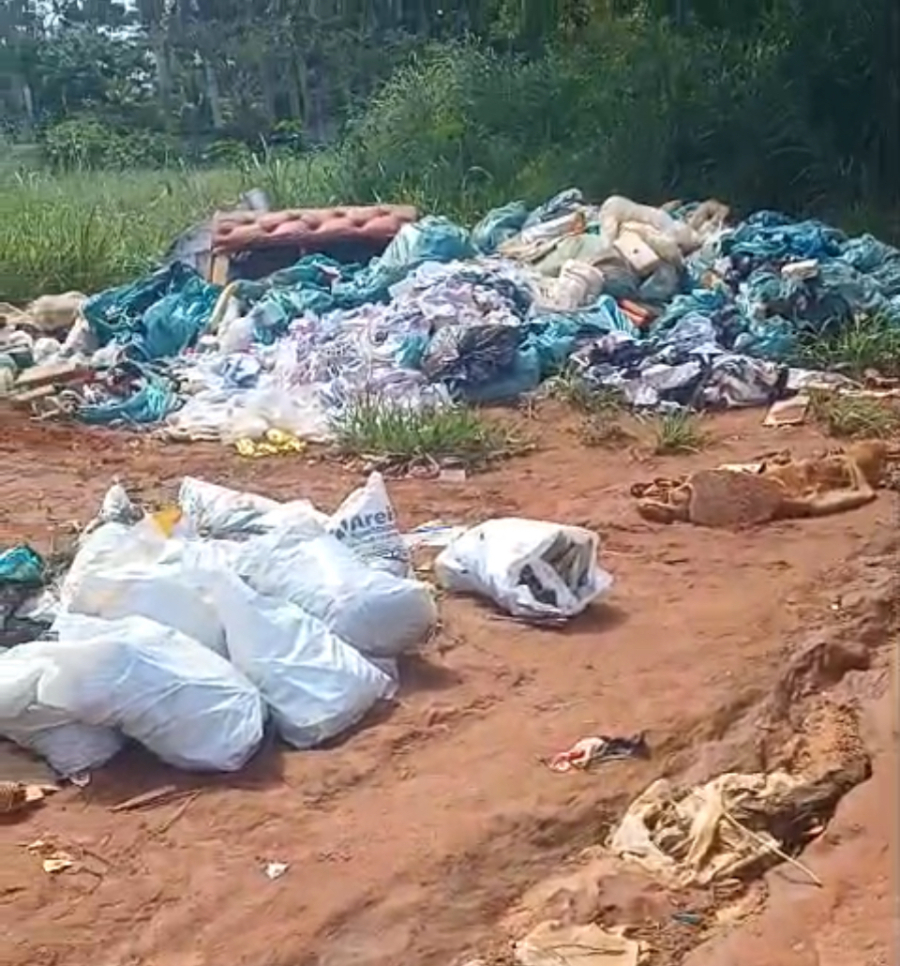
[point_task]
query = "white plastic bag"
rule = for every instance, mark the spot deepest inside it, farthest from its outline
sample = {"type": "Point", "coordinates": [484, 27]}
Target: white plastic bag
{"type": "Point", "coordinates": [67, 745]}
{"type": "Point", "coordinates": [315, 685]}
{"type": "Point", "coordinates": [168, 594]}
{"type": "Point", "coordinates": [110, 546]}
{"type": "Point", "coordinates": [377, 613]}
{"type": "Point", "coordinates": [531, 568]}
{"type": "Point", "coordinates": [183, 702]}
{"type": "Point", "coordinates": [217, 511]}
{"type": "Point", "coordinates": [366, 523]}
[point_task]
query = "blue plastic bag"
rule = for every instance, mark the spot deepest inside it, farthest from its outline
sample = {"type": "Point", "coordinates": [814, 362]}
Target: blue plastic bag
{"type": "Point", "coordinates": [498, 226]}
{"type": "Point", "coordinates": [156, 317]}
{"type": "Point", "coordinates": [21, 565]}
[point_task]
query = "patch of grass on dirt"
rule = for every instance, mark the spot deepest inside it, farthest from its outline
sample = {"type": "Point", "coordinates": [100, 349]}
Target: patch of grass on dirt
{"type": "Point", "coordinates": [855, 417]}
{"type": "Point", "coordinates": [866, 345]}
{"type": "Point", "coordinates": [402, 437]}
{"type": "Point", "coordinates": [570, 388]}
{"type": "Point", "coordinates": [678, 432]}
{"type": "Point", "coordinates": [601, 431]}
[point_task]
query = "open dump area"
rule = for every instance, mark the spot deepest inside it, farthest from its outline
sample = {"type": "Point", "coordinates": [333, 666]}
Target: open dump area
{"type": "Point", "coordinates": [435, 833]}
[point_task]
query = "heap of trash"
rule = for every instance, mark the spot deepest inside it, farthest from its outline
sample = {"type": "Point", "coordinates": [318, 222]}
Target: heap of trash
{"type": "Point", "coordinates": [192, 628]}
{"type": "Point", "coordinates": [671, 307]}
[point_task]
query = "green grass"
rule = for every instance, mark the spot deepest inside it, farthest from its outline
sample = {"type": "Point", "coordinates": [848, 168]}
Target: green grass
{"type": "Point", "coordinates": [400, 438]}
{"type": "Point", "coordinates": [855, 417]}
{"type": "Point", "coordinates": [678, 433]}
{"type": "Point", "coordinates": [88, 231]}
{"type": "Point", "coordinates": [865, 345]}
{"type": "Point", "coordinates": [568, 387]}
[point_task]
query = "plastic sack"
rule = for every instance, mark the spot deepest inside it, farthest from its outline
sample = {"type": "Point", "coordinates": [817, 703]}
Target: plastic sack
{"type": "Point", "coordinates": [531, 568]}
{"type": "Point", "coordinates": [69, 747]}
{"type": "Point", "coordinates": [366, 523]}
{"type": "Point", "coordinates": [155, 317]}
{"type": "Point", "coordinates": [21, 565]}
{"type": "Point", "coordinates": [184, 703]}
{"type": "Point", "coordinates": [431, 239]}
{"type": "Point", "coordinates": [379, 614]}
{"type": "Point", "coordinates": [218, 512]}
{"type": "Point", "coordinates": [110, 546]}
{"type": "Point", "coordinates": [314, 684]}
{"type": "Point", "coordinates": [498, 226]}
{"type": "Point", "coordinates": [171, 595]}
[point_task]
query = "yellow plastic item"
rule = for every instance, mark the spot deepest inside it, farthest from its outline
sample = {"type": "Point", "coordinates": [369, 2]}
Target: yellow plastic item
{"type": "Point", "coordinates": [275, 443]}
{"type": "Point", "coordinates": [167, 519]}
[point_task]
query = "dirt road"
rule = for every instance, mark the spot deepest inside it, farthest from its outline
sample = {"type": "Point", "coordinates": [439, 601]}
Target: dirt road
{"type": "Point", "coordinates": [410, 841]}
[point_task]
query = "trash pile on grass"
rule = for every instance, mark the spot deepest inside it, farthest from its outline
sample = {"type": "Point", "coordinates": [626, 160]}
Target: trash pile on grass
{"type": "Point", "coordinates": [670, 307]}
{"type": "Point", "coordinates": [192, 628]}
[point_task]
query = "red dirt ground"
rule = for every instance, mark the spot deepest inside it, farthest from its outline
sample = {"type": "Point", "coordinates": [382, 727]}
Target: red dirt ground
{"type": "Point", "coordinates": [412, 839]}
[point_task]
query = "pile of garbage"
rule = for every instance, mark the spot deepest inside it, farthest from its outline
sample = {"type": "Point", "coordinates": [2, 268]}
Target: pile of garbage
{"type": "Point", "coordinates": [188, 629]}
{"type": "Point", "coordinates": [671, 307]}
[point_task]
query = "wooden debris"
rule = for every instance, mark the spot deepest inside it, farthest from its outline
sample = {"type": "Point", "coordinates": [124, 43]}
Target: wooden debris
{"type": "Point", "coordinates": [155, 797]}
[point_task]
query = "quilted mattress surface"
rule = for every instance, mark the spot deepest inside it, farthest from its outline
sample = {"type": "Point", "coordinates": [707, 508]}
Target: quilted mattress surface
{"type": "Point", "coordinates": [309, 228]}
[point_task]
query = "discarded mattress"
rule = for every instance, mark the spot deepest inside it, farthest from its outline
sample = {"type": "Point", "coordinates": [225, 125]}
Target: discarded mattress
{"type": "Point", "coordinates": [311, 229]}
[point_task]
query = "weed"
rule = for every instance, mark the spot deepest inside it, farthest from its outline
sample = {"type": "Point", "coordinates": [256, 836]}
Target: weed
{"type": "Point", "coordinates": [403, 437]}
{"type": "Point", "coordinates": [865, 345]}
{"type": "Point", "coordinates": [854, 417]}
{"type": "Point", "coordinates": [678, 432]}
{"type": "Point", "coordinates": [572, 389]}
{"type": "Point", "coordinates": [597, 430]}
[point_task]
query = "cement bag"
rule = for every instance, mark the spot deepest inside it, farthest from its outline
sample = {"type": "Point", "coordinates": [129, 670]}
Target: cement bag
{"type": "Point", "coordinates": [365, 522]}
{"type": "Point", "coordinates": [69, 746]}
{"type": "Point", "coordinates": [183, 702]}
{"type": "Point", "coordinates": [314, 684]}
{"type": "Point", "coordinates": [532, 569]}
{"type": "Point", "coordinates": [377, 613]}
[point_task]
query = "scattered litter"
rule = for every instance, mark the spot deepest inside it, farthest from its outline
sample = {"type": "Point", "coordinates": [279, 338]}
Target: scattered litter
{"type": "Point", "coordinates": [17, 796]}
{"type": "Point", "coordinates": [434, 534]}
{"type": "Point", "coordinates": [275, 870]}
{"type": "Point", "coordinates": [555, 944]}
{"type": "Point", "coordinates": [788, 412]}
{"type": "Point", "coordinates": [21, 565]}
{"type": "Point", "coordinates": [53, 860]}
{"type": "Point", "coordinates": [532, 569]}
{"type": "Point", "coordinates": [591, 751]}
{"type": "Point", "coordinates": [688, 918]}
{"type": "Point", "coordinates": [156, 797]}
{"type": "Point", "coordinates": [275, 442]}
{"type": "Point", "coordinates": [697, 837]}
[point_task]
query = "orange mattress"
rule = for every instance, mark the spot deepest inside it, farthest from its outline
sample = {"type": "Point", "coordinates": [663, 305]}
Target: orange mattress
{"type": "Point", "coordinates": [311, 229]}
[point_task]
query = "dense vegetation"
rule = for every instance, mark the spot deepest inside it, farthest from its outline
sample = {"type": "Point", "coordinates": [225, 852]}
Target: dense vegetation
{"type": "Point", "coordinates": [453, 106]}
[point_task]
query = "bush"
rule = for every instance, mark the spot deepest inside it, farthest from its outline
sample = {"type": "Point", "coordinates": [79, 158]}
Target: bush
{"type": "Point", "coordinates": [86, 143]}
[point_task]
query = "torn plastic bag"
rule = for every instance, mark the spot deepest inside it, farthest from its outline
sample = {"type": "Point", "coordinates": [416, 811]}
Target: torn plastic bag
{"type": "Point", "coordinates": [184, 703]}
{"type": "Point", "coordinates": [69, 746]}
{"type": "Point", "coordinates": [532, 569]}
{"type": "Point", "coordinates": [379, 614]}
{"type": "Point", "coordinates": [315, 685]}
{"type": "Point", "coordinates": [156, 317]}
{"type": "Point", "coordinates": [366, 523]}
